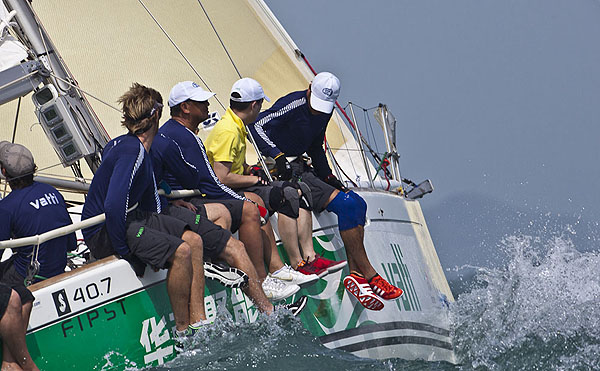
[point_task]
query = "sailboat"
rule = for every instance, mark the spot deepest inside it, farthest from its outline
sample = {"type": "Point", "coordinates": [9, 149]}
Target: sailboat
{"type": "Point", "coordinates": [66, 114]}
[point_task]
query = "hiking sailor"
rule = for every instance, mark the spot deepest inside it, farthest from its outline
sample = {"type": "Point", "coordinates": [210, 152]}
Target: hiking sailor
{"type": "Point", "coordinates": [296, 124]}
{"type": "Point", "coordinates": [226, 150]}
{"type": "Point", "coordinates": [30, 209]}
{"type": "Point", "coordinates": [144, 235]}
{"type": "Point", "coordinates": [177, 150]}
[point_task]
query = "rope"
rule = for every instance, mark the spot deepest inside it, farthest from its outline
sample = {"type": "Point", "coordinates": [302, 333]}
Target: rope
{"type": "Point", "coordinates": [220, 40]}
{"type": "Point", "coordinates": [179, 50]}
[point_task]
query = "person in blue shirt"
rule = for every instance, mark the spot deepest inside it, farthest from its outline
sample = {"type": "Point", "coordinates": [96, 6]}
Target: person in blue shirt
{"type": "Point", "coordinates": [123, 188]}
{"type": "Point", "coordinates": [17, 220]}
{"type": "Point", "coordinates": [295, 124]}
{"type": "Point", "coordinates": [31, 208]}
{"type": "Point", "coordinates": [178, 153]}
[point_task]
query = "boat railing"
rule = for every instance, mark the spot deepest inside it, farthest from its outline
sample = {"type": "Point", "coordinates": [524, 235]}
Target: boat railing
{"type": "Point", "coordinates": [68, 229]}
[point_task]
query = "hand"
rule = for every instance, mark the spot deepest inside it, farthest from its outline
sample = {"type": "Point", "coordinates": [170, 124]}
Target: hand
{"type": "Point", "coordinates": [187, 205]}
{"type": "Point", "coordinates": [335, 183]}
{"type": "Point", "coordinates": [263, 179]}
{"type": "Point", "coordinates": [284, 169]}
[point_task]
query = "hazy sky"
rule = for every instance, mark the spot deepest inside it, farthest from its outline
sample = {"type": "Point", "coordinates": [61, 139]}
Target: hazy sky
{"type": "Point", "coordinates": [495, 97]}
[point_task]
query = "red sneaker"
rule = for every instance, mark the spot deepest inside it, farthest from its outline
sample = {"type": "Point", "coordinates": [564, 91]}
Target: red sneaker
{"type": "Point", "coordinates": [384, 289]}
{"type": "Point", "coordinates": [359, 287]}
{"type": "Point", "coordinates": [308, 268]}
{"type": "Point", "coordinates": [330, 265]}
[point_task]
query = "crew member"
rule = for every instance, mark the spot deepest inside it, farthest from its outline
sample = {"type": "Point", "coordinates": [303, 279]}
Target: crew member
{"type": "Point", "coordinates": [177, 150]}
{"type": "Point", "coordinates": [226, 150]}
{"type": "Point", "coordinates": [295, 125]}
{"type": "Point", "coordinates": [31, 208]}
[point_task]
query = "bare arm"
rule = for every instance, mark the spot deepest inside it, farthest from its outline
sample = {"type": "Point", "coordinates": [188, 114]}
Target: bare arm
{"type": "Point", "coordinates": [232, 180]}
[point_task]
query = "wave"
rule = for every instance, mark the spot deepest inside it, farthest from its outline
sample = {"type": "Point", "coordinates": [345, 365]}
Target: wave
{"type": "Point", "coordinates": [540, 311]}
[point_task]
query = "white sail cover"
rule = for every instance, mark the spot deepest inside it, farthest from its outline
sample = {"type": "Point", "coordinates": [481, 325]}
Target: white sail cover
{"type": "Point", "coordinates": [12, 52]}
{"type": "Point", "coordinates": [110, 44]}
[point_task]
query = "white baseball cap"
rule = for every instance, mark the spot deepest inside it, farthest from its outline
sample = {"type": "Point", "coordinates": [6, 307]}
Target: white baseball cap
{"type": "Point", "coordinates": [324, 91]}
{"type": "Point", "coordinates": [188, 90]}
{"type": "Point", "coordinates": [249, 91]}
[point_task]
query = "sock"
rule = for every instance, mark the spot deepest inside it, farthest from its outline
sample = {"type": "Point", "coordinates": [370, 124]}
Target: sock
{"type": "Point", "coordinates": [370, 279]}
{"type": "Point", "coordinates": [357, 273]}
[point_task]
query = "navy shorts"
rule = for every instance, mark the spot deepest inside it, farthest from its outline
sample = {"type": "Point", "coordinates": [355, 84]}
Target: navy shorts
{"type": "Point", "coordinates": [10, 277]}
{"type": "Point", "coordinates": [214, 238]}
{"type": "Point", "coordinates": [152, 237]}
{"type": "Point", "coordinates": [320, 191]}
{"type": "Point", "coordinates": [5, 292]}
{"type": "Point", "coordinates": [234, 207]}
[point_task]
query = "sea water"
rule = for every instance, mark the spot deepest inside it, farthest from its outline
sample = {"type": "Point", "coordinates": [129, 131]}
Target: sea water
{"type": "Point", "coordinates": [538, 311]}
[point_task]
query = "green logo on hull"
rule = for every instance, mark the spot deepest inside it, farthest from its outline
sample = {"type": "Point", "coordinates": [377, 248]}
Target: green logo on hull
{"type": "Point", "coordinates": [397, 274]}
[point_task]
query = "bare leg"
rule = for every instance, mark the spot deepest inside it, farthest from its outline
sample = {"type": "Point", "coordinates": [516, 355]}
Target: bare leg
{"type": "Point", "coordinates": [196, 305]}
{"type": "Point", "coordinates": [14, 347]}
{"type": "Point", "coordinates": [305, 234]}
{"type": "Point", "coordinates": [235, 255]}
{"type": "Point", "coordinates": [288, 231]}
{"type": "Point", "coordinates": [355, 249]}
{"type": "Point", "coordinates": [218, 214]}
{"type": "Point", "coordinates": [270, 255]}
{"type": "Point", "coordinates": [179, 283]}
{"type": "Point", "coordinates": [252, 237]}
{"type": "Point", "coordinates": [25, 313]}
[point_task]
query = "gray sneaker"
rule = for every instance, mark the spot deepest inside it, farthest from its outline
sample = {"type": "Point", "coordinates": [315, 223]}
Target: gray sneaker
{"type": "Point", "coordinates": [226, 276]}
{"type": "Point", "coordinates": [276, 289]}
{"type": "Point", "coordinates": [289, 274]}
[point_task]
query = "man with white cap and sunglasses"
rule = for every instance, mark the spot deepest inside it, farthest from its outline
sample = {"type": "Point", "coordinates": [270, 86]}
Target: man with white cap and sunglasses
{"type": "Point", "coordinates": [177, 149]}
{"type": "Point", "coordinates": [226, 149]}
{"type": "Point", "coordinates": [295, 125]}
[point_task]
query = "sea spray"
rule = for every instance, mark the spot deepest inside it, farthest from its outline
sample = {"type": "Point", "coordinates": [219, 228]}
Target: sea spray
{"type": "Point", "coordinates": [540, 311]}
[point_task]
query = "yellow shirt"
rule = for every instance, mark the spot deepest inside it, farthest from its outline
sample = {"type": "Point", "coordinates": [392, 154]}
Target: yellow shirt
{"type": "Point", "coordinates": [227, 142]}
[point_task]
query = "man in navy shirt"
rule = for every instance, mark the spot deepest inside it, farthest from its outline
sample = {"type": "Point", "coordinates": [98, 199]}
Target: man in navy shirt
{"type": "Point", "coordinates": [31, 208]}
{"type": "Point", "coordinates": [19, 217]}
{"type": "Point", "coordinates": [178, 152]}
{"type": "Point", "coordinates": [125, 180]}
{"type": "Point", "coordinates": [295, 125]}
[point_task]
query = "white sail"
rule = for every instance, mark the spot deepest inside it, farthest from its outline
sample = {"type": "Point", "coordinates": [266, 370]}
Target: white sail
{"type": "Point", "coordinates": [107, 45]}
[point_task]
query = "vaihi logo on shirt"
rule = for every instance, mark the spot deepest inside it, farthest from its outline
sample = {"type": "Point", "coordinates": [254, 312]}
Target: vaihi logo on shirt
{"type": "Point", "coordinates": [48, 199]}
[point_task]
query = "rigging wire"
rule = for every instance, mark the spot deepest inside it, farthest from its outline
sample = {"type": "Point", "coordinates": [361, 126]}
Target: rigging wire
{"type": "Point", "coordinates": [85, 92]}
{"type": "Point", "coordinates": [179, 50]}
{"type": "Point", "coordinates": [220, 40]}
{"type": "Point", "coordinates": [16, 120]}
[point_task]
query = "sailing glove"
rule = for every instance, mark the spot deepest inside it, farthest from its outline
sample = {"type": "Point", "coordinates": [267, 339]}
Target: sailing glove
{"type": "Point", "coordinates": [284, 169]}
{"type": "Point", "coordinates": [260, 173]}
{"type": "Point", "coordinates": [335, 183]}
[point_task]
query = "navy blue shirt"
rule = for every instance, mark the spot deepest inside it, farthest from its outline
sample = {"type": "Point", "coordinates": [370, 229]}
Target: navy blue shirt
{"type": "Point", "coordinates": [177, 152]}
{"type": "Point", "coordinates": [124, 178]}
{"type": "Point", "coordinates": [34, 210]}
{"type": "Point", "coordinates": [289, 127]}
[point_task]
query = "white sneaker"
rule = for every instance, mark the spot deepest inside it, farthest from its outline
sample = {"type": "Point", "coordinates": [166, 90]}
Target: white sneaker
{"type": "Point", "coordinates": [289, 274]}
{"type": "Point", "coordinates": [276, 289]}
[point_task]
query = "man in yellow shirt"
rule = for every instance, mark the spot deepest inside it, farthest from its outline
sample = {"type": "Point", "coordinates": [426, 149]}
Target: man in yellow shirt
{"type": "Point", "coordinates": [226, 150]}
